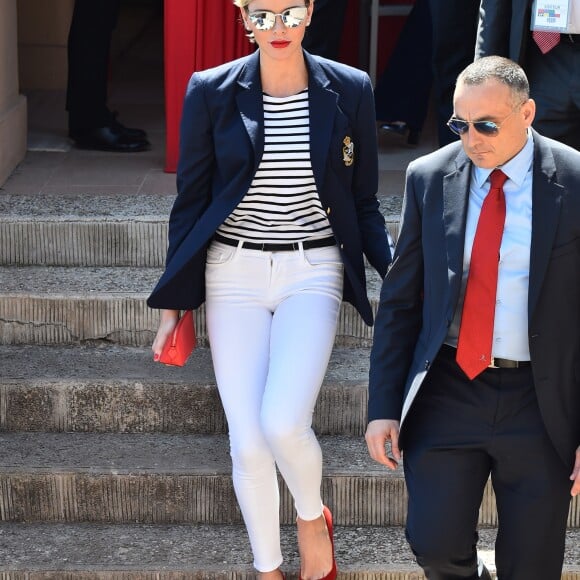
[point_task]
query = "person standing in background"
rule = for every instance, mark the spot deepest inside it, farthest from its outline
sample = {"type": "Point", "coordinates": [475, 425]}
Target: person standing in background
{"type": "Point", "coordinates": [548, 52]}
{"type": "Point", "coordinates": [403, 89]}
{"type": "Point", "coordinates": [91, 124]}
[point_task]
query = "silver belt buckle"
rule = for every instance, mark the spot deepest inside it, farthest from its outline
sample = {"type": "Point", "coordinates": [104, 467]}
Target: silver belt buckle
{"type": "Point", "coordinates": [491, 365]}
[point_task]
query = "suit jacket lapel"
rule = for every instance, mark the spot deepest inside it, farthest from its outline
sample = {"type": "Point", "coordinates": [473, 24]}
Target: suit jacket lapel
{"type": "Point", "coordinates": [323, 103]}
{"type": "Point", "coordinates": [250, 105]}
{"type": "Point", "coordinates": [546, 201]}
{"type": "Point", "coordinates": [455, 198]}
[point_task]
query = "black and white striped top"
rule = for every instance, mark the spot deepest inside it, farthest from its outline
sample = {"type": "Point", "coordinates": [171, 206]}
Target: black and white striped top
{"type": "Point", "coordinates": [282, 203]}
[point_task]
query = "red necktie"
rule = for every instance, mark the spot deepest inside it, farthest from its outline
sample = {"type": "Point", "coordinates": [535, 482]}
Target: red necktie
{"type": "Point", "coordinates": [546, 40]}
{"type": "Point", "coordinates": [476, 329]}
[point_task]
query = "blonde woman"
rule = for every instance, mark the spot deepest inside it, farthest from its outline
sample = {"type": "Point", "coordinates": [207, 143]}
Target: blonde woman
{"type": "Point", "coordinates": [276, 207]}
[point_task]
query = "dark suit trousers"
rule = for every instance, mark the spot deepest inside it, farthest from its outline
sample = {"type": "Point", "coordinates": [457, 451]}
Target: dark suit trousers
{"type": "Point", "coordinates": [454, 34]}
{"type": "Point", "coordinates": [402, 91]}
{"type": "Point", "coordinates": [89, 45]}
{"type": "Point", "coordinates": [324, 34]}
{"type": "Point", "coordinates": [457, 434]}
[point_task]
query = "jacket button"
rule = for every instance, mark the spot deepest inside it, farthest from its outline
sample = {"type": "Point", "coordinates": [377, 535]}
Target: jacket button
{"type": "Point", "coordinates": [427, 365]}
{"type": "Point", "coordinates": [328, 210]}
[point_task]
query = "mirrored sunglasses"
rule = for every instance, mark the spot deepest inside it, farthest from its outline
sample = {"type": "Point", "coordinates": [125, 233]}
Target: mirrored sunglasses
{"type": "Point", "coordinates": [461, 127]}
{"type": "Point", "coordinates": [266, 19]}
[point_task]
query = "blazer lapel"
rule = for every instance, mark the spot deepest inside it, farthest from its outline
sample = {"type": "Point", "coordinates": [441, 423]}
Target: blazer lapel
{"type": "Point", "coordinates": [455, 198]}
{"type": "Point", "coordinates": [250, 105]}
{"type": "Point", "coordinates": [546, 202]}
{"type": "Point", "coordinates": [323, 105]}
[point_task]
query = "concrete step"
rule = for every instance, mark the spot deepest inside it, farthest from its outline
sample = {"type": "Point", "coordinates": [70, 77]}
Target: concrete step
{"type": "Point", "coordinates": [199, 552]}
{"type": "Point", "coordinates": [84, 230]}
{"type": "Point", "coordinates": [171, 479]}
{"type": "Point", "coordinates": [98, 231]}
{"type": "Point", "coordinates": [60, 305]}
{"type": "Point", "coordinates": [168, 479]}
{"type": "Point", "coordinates": [110, 388]}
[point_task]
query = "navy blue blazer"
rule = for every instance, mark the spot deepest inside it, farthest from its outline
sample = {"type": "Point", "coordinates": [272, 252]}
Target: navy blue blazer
{"type": "Point", "coordinates": [422, 288]}
{"type": "Point", "coordinates": [222, 141]}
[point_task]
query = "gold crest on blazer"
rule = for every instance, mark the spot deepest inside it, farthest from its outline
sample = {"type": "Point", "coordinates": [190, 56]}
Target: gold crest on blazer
{"type": "Point", "coordinates": [347, 151]}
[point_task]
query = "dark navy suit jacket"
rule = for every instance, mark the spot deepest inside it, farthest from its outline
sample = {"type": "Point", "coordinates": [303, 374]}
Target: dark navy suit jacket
{"type": "Point", "coordinates": [222, 141]}
{"type": "Point", "coordinates": [504, 29]}
{"type": "Point", "coordinates": [422, 288]}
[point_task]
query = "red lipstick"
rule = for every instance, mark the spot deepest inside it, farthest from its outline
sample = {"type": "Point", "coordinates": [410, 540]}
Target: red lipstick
{"type": "Point", "coordinates": [280, 43]}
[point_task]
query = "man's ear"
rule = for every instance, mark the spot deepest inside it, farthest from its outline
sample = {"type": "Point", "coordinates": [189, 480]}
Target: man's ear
{"type": "Point", "coordinates": [529, 111]}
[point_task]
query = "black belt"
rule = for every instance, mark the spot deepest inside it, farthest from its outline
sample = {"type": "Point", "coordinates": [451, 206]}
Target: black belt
{"type": "Point", "coordinates": [570, 38]}
{"type": "Point", "coordinates": [496, 363]}
{"type": "Point", "coordinates": [270, 247]}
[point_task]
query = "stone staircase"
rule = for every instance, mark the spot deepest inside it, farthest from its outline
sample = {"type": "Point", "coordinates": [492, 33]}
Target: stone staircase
{"type": "Point", "coordinates": [116, 468]}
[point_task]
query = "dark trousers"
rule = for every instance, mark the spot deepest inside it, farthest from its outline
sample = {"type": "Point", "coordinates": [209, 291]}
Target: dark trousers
{"type": "Point", "coordinates": [402, 92]}
{"type": "Point", "coordinates": [454, 34]}
{"type": "Point", "coordinates": [458, 434]}
{"type": "Point", "coordinates": [89, 43]}
{"type": "Point", "coordinates": [325, 31]}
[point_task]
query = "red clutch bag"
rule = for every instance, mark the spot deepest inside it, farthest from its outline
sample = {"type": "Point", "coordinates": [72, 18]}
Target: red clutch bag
{"type": "Point", "coordinates": [181, 343]}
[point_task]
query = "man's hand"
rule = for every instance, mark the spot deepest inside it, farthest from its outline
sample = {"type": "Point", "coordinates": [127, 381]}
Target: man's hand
{"type": "Point", "coordinates": [575, 477]}
{"type": "Point", "coordinates": [378, 433]}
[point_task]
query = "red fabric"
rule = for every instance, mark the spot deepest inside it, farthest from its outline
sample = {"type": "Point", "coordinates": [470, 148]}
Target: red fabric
{"type": "Point", "coordinates": [198, 35]}
{"type": "Point", "coordinates": [476, 331]}
{"type": "Point", "coordinates": [546, 40]}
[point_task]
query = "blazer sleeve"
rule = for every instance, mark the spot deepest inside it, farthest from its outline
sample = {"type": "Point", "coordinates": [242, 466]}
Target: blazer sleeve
{"type": "Point", "coordinates": [371, 222]}
{"type": "Point", "coordinates": [493, 31]}
{"type": "Point", "coordinates": [196, 163]}
{"type": "Point", "coordinates": [399, 317]}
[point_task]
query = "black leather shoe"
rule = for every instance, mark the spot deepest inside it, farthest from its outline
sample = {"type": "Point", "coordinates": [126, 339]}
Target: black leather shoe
{"type": "Point", "coordinates": [108, 139]}
{"type": "Point", "coordinates": [401, 128]}
{"type": "Point", "coordinates": [129, 131]}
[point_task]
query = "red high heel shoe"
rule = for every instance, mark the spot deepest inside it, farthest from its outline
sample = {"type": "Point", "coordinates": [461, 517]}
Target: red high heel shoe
{"type": "Point", "coordinates": [328, 519]}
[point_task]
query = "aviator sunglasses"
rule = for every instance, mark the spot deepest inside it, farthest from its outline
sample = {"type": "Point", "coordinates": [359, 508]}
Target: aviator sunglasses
{"type": "Point", "coordinates": [488, 128]}
{"type": "Point", "coordinates": [266, 19]}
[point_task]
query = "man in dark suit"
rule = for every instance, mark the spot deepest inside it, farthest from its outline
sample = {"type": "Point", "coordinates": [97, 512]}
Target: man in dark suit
{"type": "Point", "coordinates": [473, 376]}
{"type": "Point", "coordinates": [505, 29]}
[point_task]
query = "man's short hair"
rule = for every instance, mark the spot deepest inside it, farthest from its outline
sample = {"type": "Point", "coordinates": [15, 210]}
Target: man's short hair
{"type": "Point", "coordinates": [502, 69]}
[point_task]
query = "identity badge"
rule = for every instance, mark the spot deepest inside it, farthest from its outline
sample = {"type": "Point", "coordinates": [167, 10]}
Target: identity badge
{"type": "Point", "coordinates": [551, 15]}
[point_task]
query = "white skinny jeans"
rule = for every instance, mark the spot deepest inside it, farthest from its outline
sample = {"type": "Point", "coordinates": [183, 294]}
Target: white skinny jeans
{"type": "Point", "coordinates": [271, 319]}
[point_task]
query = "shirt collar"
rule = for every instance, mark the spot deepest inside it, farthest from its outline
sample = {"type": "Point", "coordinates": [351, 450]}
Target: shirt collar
{"type": "Point", "coordinates": [516, 168]}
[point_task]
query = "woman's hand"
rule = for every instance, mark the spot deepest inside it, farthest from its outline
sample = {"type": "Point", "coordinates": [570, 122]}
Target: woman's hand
{"type": "Point", "coordinates": [167, 323]}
